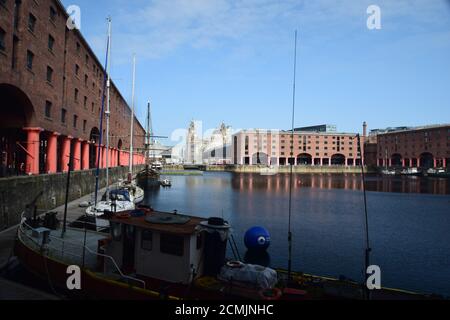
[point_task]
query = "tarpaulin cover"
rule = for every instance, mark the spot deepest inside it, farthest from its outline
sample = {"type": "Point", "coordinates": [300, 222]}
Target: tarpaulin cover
{"type": "Point", "coordinates": [259, 276]}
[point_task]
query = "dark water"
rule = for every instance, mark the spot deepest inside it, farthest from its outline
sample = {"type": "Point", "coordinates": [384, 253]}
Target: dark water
{"type": "Point", "coordinates": [409, 220]}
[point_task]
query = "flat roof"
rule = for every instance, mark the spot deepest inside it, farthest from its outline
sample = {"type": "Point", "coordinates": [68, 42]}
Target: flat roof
{"type": "Point", "coordinates": [409, 129]}
{"type": "Point", "coordinates": [311, 133]}
{"type": "Point", "coordinates": [177, 228]}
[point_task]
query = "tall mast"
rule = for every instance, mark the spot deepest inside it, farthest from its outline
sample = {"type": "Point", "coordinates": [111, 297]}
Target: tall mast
{"type": "Point", "coordinates": [130, 171]}
{"type": "Point", "coordinates": [99, 146]}
{"type": "Point", "coordinates": [107, 112]}
{"type": "Point", "coordinates": [147, 146]}
{"type": "Point", "coordinates": [291, 160]}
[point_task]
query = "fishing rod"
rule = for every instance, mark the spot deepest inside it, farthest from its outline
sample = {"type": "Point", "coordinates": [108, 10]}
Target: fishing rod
{"type": "Point", "coordinates": [291, 162]}
{"type": "Point", "coordinates": [368, 249]}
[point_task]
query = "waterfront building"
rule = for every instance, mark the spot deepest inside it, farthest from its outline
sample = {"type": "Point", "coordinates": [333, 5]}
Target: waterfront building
{"type": "Point", "coordinates": [310, 147]}
{"type": "Point", "coordinates": [217, 147]}
{"type": "Point", "coordinates": [157, 150]}
{"type": "Point", "coordinates": [194, 143]}
{"type": "Point", "coordinates": [210, 147]}
{"type": "Point", "coordinates": [424, 146]}
{"type": "Point", "coordinates": [51, 91]}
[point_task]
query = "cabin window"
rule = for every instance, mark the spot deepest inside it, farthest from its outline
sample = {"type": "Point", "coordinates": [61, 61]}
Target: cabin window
{"type": "Point", "coordinates": [199, 241]}
{"type": "Point", "coordinates": [147, 240]}
{"type": "Point", "coordinates": [171, 244]}
{"type": "Point", "coordinates": [129, 231]}
{"type": "Point", "coordinates": [116, 231]}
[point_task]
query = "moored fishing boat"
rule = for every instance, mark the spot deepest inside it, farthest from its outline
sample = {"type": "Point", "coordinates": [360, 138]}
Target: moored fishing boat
{"type": "Point", "coordinates": [152, 255]}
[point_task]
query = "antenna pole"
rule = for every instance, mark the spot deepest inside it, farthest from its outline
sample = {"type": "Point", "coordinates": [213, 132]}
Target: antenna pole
{"type": "Point", "coordinates": [291, 163]}
{"type": "Point", "coordinates": [368, 249]}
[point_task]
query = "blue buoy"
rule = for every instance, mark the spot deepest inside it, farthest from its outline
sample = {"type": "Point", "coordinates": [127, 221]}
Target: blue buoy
{"type": "Point", "coordinates": [257, 238]}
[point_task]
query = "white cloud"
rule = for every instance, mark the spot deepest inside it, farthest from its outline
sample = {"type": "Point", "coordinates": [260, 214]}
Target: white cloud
{"type": "Point", "coordinates": [158, 28]}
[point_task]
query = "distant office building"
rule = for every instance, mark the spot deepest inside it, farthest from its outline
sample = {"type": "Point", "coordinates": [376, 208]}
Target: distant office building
{"type": "Point", "coordinates": [425, 146]}
{"type": "Point", "coordinates": [310, 147]}
{"type": "Point", "coordinates": [318, 128]}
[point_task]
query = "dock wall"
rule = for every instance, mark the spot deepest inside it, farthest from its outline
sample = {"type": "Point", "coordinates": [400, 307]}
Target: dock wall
{"type": "Point", "coordinates": [17, 192]}
{"type": "Point", "coordinates": [277, 169]}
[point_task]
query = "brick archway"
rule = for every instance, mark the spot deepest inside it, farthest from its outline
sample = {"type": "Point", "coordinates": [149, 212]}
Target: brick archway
{"type": "Point", "coordinates": [119, 147]}
{"type": "Point", "coordinates": [338, 159]}
{"type": "Point", "coordinates": [426, 160]}
{"type": "Point", "coordinates": [304, 159]}
{"type": "Point", "coordinates": [260, 158]}
{"type": "Point", "coordinates": [19, 148]}
{"type": "Point", "coordinates": [396, 160]}
{"type": "Point", "coordinates": [94, 138]}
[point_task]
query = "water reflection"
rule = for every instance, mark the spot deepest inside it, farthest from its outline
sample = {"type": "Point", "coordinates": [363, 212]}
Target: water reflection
{"type": "Point", "coordinates": [408, 222]}
{"type": "Point", "coordinates": [280, 183]}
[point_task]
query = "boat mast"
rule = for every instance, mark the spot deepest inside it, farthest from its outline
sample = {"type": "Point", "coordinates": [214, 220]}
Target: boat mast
{"type": "Point", "coordinates": [147, 147]}
{"type": "Point", "coordinates": [107, 113]}
{"type": "Point", "coordinates": [291, 160]}
{"type": "Point", "coordinates": [97, 172]}
{"type": "Point", "coordinates": [385, 158]}
{"type": "Point", "coordinates": [130, 170]}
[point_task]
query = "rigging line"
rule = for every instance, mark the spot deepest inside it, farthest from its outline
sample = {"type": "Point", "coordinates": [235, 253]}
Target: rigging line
{"type": "Point", "coordinates": [291, 163]}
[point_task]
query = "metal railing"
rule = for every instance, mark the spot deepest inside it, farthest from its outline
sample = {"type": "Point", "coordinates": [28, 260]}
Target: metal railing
{"type": "Point", "coordinates": [66, 249]}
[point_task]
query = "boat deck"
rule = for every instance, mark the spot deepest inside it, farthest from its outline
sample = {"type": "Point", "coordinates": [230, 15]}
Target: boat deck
{"type": "Point", "coordinates": [70, 248]}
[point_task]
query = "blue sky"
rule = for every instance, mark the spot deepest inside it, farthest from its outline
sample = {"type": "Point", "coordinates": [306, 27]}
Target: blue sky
{"type": "Point", "coordinates": [232, 61]}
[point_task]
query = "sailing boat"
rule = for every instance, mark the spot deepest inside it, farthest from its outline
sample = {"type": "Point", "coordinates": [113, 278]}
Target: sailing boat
{"type": "Point", "coordinates": [149, 176]}
{"type": "Point", "coordinates": [386, 171]}
{"type": "Point", "coordinates": [130, 185]}
{"type": "Point", "coordinates": [114, 200]}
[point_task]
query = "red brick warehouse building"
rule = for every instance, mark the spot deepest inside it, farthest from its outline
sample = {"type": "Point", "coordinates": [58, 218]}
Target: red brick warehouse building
{"type": "Point", "coordinates": [51, 87]}
{"type": "Point", "coordinates": [425, 146]}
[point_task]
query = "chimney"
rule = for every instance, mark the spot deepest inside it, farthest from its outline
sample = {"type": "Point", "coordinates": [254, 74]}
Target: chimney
{"type": "Point", "coordinates": [364, 129]}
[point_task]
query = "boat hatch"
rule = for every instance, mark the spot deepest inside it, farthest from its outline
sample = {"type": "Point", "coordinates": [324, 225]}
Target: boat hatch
{"type": "Point", "coordinates": [162, 217]}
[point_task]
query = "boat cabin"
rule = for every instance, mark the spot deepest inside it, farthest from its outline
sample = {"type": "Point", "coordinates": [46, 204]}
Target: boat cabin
{"type": "Point", "coordinates": [161, 245]}
{"type": "Point", "coordinates": [118, 195]}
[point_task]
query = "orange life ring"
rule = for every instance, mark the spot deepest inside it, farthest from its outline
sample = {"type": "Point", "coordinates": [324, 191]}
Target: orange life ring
{"type": "Point", "coordinates": [270, 294]}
